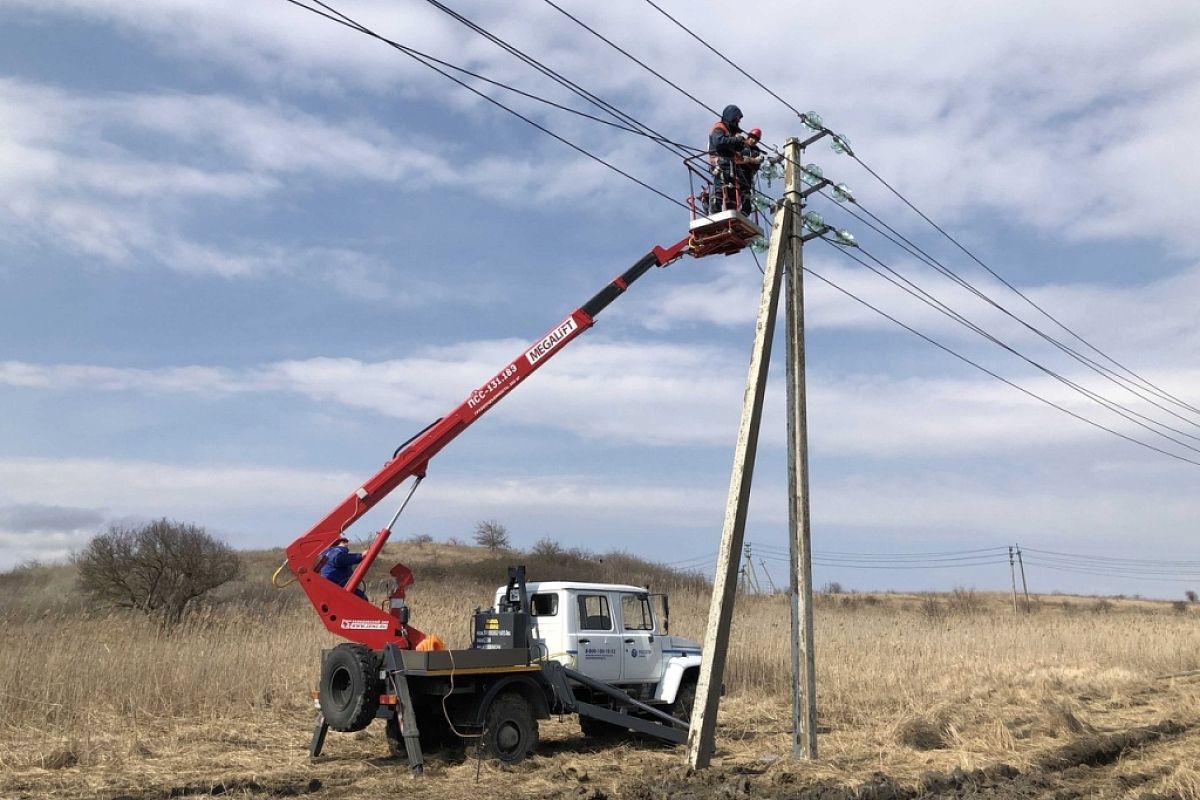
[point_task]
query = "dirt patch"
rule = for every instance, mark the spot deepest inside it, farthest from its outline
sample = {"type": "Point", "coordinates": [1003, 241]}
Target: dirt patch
{"type": "Point", "coordinates": [1093, 751]}
{"type": "Point", "coordinates": [233, 786]}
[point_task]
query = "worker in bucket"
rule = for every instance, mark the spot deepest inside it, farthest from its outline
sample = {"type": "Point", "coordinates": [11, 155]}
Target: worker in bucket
{"type": "Point", "coordinates": [747, 163]}
{"type": "Point", "coordinates": [337, 564]}
{"type": "Point", "coordinates": [725, 141]}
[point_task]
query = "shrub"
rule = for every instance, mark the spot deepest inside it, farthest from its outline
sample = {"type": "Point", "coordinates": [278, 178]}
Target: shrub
{"type": "Point", "coordinates": [1179, 607]}
{"type": "Point", "coordinates": [546, 548]}
{"type": "Point", "coordinates": [932, 607]}
{"type": "Point", "coordinates": [491, 534]}
{"type": "Point", "coordinates": [159, 568]}
{"type": "Point", "coordinates": [1191, 596]}
{"type": "Point", "coordinates": [965, 601]}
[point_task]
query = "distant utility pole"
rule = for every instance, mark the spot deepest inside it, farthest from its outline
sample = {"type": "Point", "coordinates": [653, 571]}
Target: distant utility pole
{"type": "Point", "coordinates": [766, 572]}
{"type": "Point", "coordinates": [1012, 571]}
{"type": "Point", "coordinates": [1024, 586]}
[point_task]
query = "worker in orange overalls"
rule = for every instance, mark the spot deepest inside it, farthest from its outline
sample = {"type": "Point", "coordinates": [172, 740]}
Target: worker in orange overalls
{"type": "Point", "coordinates": [746, 164]}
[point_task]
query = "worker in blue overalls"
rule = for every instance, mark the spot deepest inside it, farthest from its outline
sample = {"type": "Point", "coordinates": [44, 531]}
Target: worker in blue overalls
{"type": "Point", "coordinates": [337, 564]}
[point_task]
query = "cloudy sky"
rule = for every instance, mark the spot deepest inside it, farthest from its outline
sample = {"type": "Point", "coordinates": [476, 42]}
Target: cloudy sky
{"type": "Point", "coordinates": [245, 252]}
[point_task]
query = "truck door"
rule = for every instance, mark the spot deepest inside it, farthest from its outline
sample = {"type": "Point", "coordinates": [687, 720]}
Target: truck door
{"type": "Point", "coordinates": [641, 648]}
{"type": "Point", "coordinates": [596, 637]}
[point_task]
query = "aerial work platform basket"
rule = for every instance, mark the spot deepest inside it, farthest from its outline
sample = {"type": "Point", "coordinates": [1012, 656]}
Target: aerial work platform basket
{"type": "Point", "coordinates": [725, 218]}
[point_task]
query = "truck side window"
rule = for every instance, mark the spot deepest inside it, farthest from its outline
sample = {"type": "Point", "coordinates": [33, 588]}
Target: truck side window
{"type": "Point", "coordinates": [635, 611]}
{"type": "Point", "coordinates": [593, 613]}
{"type": "Point", "coordinates": [544, 605]}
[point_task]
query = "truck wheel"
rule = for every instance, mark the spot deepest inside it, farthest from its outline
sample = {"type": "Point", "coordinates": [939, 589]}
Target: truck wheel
{"type": "Point", "coordinates": [685, 701]}
{"type": "Point", "coordinates": [349, 691]}
{"type": "Point", "coordinates": [510, 732]}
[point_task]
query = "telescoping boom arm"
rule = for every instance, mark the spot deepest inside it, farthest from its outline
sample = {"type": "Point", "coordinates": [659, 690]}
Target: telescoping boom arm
{"type": "Point", "coordinates": [352, 617]}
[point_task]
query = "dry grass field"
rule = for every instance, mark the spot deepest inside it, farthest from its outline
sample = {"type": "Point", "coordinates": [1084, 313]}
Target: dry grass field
{"type": "Point", "coordinates": [919, 696]}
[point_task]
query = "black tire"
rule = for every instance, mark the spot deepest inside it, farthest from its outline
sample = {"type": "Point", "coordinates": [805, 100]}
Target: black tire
{"type": "Point", "coordinates": [685, 700]}
{"type": "Point", "coordinates": [598, 729]}
{"type": "Point", "coordinates": [510, 732]}
{"type": "Point", "coordinates": [350, 687]}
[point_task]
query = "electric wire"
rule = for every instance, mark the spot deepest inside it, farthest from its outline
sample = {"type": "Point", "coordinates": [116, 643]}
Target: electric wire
{"type": "Point", "coordinates": [551, 73]}
{"type": "Point", "coordinates": [348, 22]}
{"type": "Point", "coordinates": [722, 56]}
{"type": "Point", "coordinates": [904, 243]}
{"type": "Point", "coordinates": [898, 239]}
{"type": "Point", "coordinates": [948, 556]}
{"type": "Point", "coordinates": [1018, 292]}
{"type": "Point", "coordinates": [351, 23]}
{"type": "Point", "coordinates": [411, 51]}
{"type": "Point", "coordinates": [928, 299]}
{"type": "Point", "coordinates": [985, 370]}
{"type": "Point", "coordinates": [804, 118]}
{"type": "Point", "coordinates": [1114, 559]}
{"type": "Point", "coordinates": [631, 57]}
{"type": "Point", "coordinates": [821, 562]}
{"type": "Point", "coordinates": [1103, 574]}
{"type": "Point", "coordinates": [1114, 569]}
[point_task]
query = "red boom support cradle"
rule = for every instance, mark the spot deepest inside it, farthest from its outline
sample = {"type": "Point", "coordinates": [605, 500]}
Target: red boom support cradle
{"type": "Point", "coordinates": [350, 616]}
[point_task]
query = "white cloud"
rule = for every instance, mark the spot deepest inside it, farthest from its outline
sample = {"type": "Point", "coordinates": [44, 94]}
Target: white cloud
{"type": "Point", "coordinates": [267, 506]}
{"type": "Point", "coordinates": [662, 394]}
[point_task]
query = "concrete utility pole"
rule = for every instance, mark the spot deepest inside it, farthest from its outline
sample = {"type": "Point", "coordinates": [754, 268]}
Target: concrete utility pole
{"type": "Point", "coordinates": [1024, 585]}
{"type": "Point", "coordinates": [1012, 571]}
{"type": "Point", "coordinates": [804, 686]}
{"type": "Point", "coordinates": [703, 726]}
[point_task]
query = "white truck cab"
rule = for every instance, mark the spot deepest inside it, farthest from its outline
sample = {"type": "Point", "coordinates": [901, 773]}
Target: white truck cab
{"type": "Point", "coordinates": [612, 633]}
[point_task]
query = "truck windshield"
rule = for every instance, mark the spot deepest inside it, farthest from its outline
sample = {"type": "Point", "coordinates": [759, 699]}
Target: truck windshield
{"type": "Point", "coordinates": [635, 612]}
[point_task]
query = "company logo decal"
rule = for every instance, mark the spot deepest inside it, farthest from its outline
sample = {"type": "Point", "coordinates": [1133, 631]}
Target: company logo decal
{"type": "Point", "coordinates": [552, 340]}
{"type": "Point", "coordinates": [365, 625]}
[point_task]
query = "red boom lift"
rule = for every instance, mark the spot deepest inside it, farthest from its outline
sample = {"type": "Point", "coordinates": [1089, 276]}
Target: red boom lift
{"type": "Point", "coordinates": [352, 617]}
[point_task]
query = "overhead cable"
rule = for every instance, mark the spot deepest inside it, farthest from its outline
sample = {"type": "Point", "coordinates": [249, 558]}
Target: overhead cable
{"type": "Point", "coordinates": [888, 232]}
{"type": "Point", "coordinates": [804, 117]}
{"type": "Point", "coordinates": [630, 56]}
{"type": "Point", "coordinates": [984, 369]}
{"type": "Point", "coordinates": [350, 23]}
{"type": "Point", "coordinates": [925, 297]}
{"type": "Point", "coordinates": [557, 77]}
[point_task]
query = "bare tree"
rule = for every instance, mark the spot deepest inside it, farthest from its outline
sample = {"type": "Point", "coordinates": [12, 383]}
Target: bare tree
{"type": "Point", "coordinates": [1191, 596]}
{"type": "Point", "coordinates": [158, 568]}
{"type": "Point", "coordinates": [491, 534]}
{"type": "Point", "coordinates": [547, 548]}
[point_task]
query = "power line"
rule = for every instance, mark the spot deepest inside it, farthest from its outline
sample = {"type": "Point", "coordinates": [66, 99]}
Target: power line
{"type": "Point", "coordinates": [551, 73]}
{"type": "Point", "coordinates": [822, 562]}
{"type": "Point", "coordinates": [347, 21]}
{"type": "Point", "coordinates": [1104, 574]}
{"type": "Point", "coordinates": [1017, 291]}
{"type": "Point", "coordinates": [722, 56]}
{"type": "Point", "coordinates": [630, 56]}
{"type": "Point", "coordinates": [927, 298]}
{"type": "Point", "coordinates": [984, 369]}
{"type": "Point", "coordinates": [1114, 559]}
{"type": "Point", "coordinates": [350, 23]}
{"type": "Point", "coordinates": [804, 118]}
{"type": "Point", "coordinates": [898, 239]}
